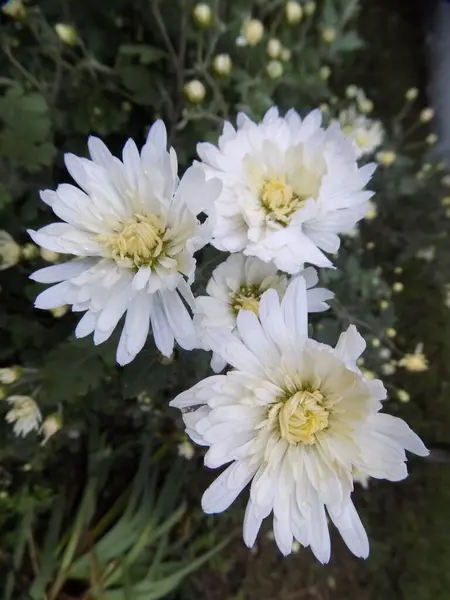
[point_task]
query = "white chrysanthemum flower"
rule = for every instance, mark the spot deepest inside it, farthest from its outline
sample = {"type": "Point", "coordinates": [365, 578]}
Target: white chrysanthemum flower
{"type": "Point", "coordinates": [133, 226]}
{"type": "Point", "coordinates": [294, 419]}
{"type": "Point", "coordinates": [289, 187]}
{"type": "Point", "coordinates": [25, 414]}
{"type": "Point", "coordinates": [238, 283]}
{"type": "Point", "coordinates": [366, 134]}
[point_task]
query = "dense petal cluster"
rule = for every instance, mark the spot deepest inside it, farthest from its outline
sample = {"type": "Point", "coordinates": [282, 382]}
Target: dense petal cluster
{"type": "Point", "coordinates": [238, 283]}
{"type": "Point", "coordinates": [24, 413]}
{"type": "Point", "coordinates": [133, 229]}
{"type": "Point", "coordinates": [295, 418]}
{"type": "Point", "coordinates": [366, 134]}
{"type": "Point", "coordinates": [289, 188]}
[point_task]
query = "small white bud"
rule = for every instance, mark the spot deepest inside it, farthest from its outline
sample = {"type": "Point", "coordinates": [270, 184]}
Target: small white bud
{"type": "Point", "coordinates": [67, 34]}
{"type": "Point", "coordinates": [253, 31]}
{"type": "Point", "coordinates": [202, 14]}
{"type": "Point", "coordinates": [222, 65]}
{"type": "Point", "coordinates": [294, 12]}
{"type": "Point", "coordinates": [274, 48]}
{"type": "Point", "coordinates": [274, 69]}
{"type": "Point", "coordinates": [195, 91]}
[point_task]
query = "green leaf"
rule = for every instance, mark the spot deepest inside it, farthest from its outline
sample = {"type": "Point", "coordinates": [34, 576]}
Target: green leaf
{"type": "Point", "coordinates": [26, 130]}
{"type": "Point", "coordinates": [348, 42]}
{"type": "Point", "coordinates": [23, 532]}
{"type": "Point", "coordinates": [72, 370]}
{"type": "Point", "coordinates": [146, 54]}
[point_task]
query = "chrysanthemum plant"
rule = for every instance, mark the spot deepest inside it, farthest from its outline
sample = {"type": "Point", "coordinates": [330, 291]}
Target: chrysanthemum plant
{"type": "Point", "coordinates": [217, 260]}
{"type": "Point", "coordinates": [293, 416]}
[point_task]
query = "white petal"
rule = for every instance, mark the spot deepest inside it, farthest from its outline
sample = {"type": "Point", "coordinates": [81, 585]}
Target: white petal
{"type": "Point", "coordinates": [294, 305]}
{"type": "Point", "coordinates": [162, 332]}
{"type": "Point", "coordinates": [135, 330]}
{"type": "Point", "coordinates": [254, 338]}
{"type": "Point", "coordinates": [179, 320]}
{"type": "Point", "coordinates": [86, 325]}
{"type": "Point", "coordinates": [62, 271]}
{"type": "Point", "coordinates": [350, 345]}
{"type": "Point", "coordinates": [157, 135]}
{"type": "Point", "coordinates": [141, 278]}
{"type": "Point", "coordinates": [64, 238]}
{"type": "Point", "coordinates": [196, 193]}
{"type": "Point", "coordinates": [317, 299]}
{"type": "Point", "coordinates": [54, 296]}
{"type": "Point", "coordinates": [252, 524]}
{"type": "Point", "coordinates": [227, 487]}
{"type": "Point", "coordinates": [347, 520]}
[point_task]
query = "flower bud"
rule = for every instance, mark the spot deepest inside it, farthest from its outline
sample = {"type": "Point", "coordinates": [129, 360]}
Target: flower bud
{"type": "Point", "coordinates": [411, 94]}
{"type": "Point", "coordinates": [195, 91]}
{"type": "Point", "coordinates": [310, 8]}
{"type": "Point", "coordinates": [431, 139]}
{"type": "Point", "coordinates": [398, 287]}
{"type": "Point", "coordinates": [253, 31]}
{"type": "Point", "coordinates": [325, 72]}
{"type": "Point", "coordinates": [186, 450]}
{"type": "Point", "coordinates": [329, 34]}
{"type": "Point", "coordinates": [222, 65]}
{"type": "Point", "coordinates": [274, 48]}
{"type": "Point", "coordinates": [51, 425]}
{"type": "Point", "coordinates": [202, 14]}
{"type": "Point", "coordinates": [9, 375]}
{"type": "Point", "coordinates": [403, 396]}
{"type": "Point", "coordinates": [30, 251]}
{"type": "Point", "coordinates": [386, 157]}
{"type": "Point", "coordinates": [9, 251]}
{"type": "Point", "coordinates": [388, 368]}
{"type": "Point", "coordinates": [67, 34]}
{"type": "Point", "coordinates": [426, 115]}
{"type": "Point", "coordinates": [372, 212]}
{"type": "Point", "coordinates": [294, 12]}
{"type": "Point", "coordinates": [59, 311]}
{"type": "Point", "coordinates": [286, 54]}
{"type": "Point", "coordinates": [351, 91]}
{"type": "Point", "coordinates": [15, 9]}
{"type": "Point", "coordinates": [365, 105]}
{"type": "Point", "coordinates": [274, 69]}
{"type": "Point", "coordinates": [49, 255]}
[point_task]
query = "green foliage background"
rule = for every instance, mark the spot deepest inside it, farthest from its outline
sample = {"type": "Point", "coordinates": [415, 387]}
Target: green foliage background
{"type": "Point", "coordinates": [129, 65]}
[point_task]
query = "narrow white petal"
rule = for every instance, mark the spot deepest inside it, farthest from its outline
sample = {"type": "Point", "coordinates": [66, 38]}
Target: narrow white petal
{"type": "Point", "coordinates": [86, 325]}
{"type": "Point", "coordinates": [346, 519]}
{"type": "Point", "coordinates": [53, 297]}
{"type": "Point", "coordinates": [227, 487]}
{"type": "Point", "coordinates": [252, 525]}
{"type": "Point", "coordinates": [179, 320]}
{"type": "Point", "coordinates": [62, 271]}
{"type": "Point", "coordinates": [162, 332]}
{"type": "Point", "coordinates": [295, 308]}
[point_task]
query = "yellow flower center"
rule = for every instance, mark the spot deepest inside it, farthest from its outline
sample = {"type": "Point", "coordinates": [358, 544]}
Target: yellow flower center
{"type": "Point", "coordinates": [279, 200]}
{"type": "Point", "coordinates": [300, 417]}
{"type": "Point", "coordinates": [137, 242]}
{"type": "Point", "coordinates": [246, 298]}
